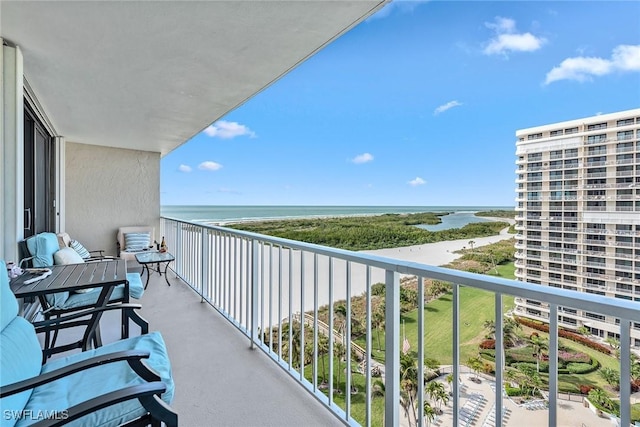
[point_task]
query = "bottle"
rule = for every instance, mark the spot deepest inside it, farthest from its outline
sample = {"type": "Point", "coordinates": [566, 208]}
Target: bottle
{"type": "Point", "coordinates": [163, 245]}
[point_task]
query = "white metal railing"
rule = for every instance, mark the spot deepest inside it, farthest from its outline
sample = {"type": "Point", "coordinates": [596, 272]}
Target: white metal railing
{"type": "Point", "coordinates": [258, 283]}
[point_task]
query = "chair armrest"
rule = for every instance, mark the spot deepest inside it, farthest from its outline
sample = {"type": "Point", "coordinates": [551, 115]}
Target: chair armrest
{"type": "Point", "coordinates": [142, 392]}
{"type": "Point", "coordinates": [33, 382]}
{"type": "Point", "coordinates": [44, 324]}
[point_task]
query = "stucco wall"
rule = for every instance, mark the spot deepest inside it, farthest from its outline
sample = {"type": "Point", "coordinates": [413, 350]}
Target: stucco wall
{"type": "Point", "coordinates": [107, 188]}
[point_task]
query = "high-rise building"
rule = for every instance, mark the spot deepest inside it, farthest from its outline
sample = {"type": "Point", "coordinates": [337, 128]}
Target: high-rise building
{"type": "Point", "coordinates": [578, 214]}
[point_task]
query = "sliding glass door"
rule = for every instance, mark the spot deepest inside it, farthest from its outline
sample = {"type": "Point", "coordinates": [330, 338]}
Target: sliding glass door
{"type": "Point", "coordinates": [39, 176]}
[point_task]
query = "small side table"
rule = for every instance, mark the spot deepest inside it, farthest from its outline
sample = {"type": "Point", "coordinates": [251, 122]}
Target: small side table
{"type": "Point", "coordinates": [153, 257]}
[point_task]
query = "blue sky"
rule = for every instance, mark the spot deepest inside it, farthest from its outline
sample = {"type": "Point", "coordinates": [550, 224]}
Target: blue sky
{"type": "Point", "coordinates": [416, 106]}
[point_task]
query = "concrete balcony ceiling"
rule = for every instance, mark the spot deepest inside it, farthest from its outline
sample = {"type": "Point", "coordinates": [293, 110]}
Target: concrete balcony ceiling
{"type": "Point", "coordinates": [149, 75]}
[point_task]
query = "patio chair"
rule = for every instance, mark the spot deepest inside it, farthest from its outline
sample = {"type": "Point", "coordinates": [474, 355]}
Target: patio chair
{"type": "Point", "coordinates": [65, 241]}
{"type": "Point", "coordinates": [45, 251]}
{"type": "Point", "coordinates": [134, 239]}
{"type": "Point", "coordinates": [108, 386]}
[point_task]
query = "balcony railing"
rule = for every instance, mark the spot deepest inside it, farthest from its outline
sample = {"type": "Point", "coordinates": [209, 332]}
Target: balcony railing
{"type": "Point", "coordinates": [260, 283]}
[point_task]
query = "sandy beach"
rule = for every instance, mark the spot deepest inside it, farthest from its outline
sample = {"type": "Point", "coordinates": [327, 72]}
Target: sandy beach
{"type": "Point", "coordinates": [440, 253]}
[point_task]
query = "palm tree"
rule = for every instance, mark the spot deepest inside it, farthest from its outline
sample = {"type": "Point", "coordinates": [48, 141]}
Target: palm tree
{"type": "Point", "coordinates": [510, 330]}
{"type": "Point", "coordinates": [323, 349]}
{"type": "Point", "coordinates": [429, 413]}
{"type": "Point", "coordinates": [449, 379]}
{"type": "Point", "coordinates": [475, 364]}
{"type": "Point", "coordinates": [409, 381]}
{"type": "Point", "coordinates": [441, 397]}
{"type": "Point", "coordinates": [539, 345]}
{"type": "Point", "coordinates": [471, 243]}
{"type": "Point", "coordinates": [339, 352]}
{"type": "Point", "coordinates": [433, 388]}
{"type": "Point", "coordinates": [377, 321]}
{"type": "Point", "coordinates": [511, 375]}
{"type": "Point", "coordinates": [611, 376]}
{"type": "Point", "coordinates": [377, 389]}
{"type": "Point", "coordinates": [294, 333]}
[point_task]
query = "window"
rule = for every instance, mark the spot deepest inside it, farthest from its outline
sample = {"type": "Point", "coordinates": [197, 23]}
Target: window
{"type": "Point", "coordinates": [557, 132]}
{"type": "Point", "coordinates": [627, 134]}
{"type": "Point", "coordinates": [571, 130]}
{"type": "Point", "coordinates": [624, 122]}
{"type": "Point", "coordinates": [594, 139]}
{"type": "Point", "coordinates": [597, 126]}
{"type": "Point", "coordinates": [534, 136]}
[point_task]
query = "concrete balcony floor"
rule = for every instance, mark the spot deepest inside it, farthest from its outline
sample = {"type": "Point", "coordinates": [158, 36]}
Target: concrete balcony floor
{"type": "Point", "coordinates": [219, 379]}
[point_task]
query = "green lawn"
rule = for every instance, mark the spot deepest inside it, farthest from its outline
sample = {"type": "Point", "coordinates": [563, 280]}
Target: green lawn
{"type": "Point", "coordinates": [476, 306]}
{"type": "Point", "coordinates": [358, 399]}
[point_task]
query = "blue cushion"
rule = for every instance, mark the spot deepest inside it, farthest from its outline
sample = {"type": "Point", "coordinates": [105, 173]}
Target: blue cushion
{"type": "Point", "coordinates": [86, 385]}
{"type": "Point", "coordinates": [20, 358]}
{"type": "Point", "coordinates": [135, 285]}
{"type": "Point", "coordinates": [81, 250]}
{"type": "Point", "coordinates": [42, 247]}
{"type": "Point", "coordinates": [20, 354]}
{"type": "Point", "coordinates": [9, 304]}
{"type": "Point", "coordinates": [89, 298]}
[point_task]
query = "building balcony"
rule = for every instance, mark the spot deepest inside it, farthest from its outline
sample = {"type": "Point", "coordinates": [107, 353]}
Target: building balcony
{"type": "Point", "coordinates": [231, 292]}
{"type": "Point", "coordinates": [236, 290]}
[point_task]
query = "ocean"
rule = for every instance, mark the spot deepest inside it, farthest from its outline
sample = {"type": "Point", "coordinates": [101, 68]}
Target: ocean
{"type": "Point", "coordinates": [226, 214]}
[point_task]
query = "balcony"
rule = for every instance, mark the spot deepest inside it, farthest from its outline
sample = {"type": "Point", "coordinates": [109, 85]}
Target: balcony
{"type": "Point", "coordinates": [241, 283]}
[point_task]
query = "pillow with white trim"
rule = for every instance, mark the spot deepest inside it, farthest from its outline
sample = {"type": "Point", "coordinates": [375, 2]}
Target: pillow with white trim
{"type": "Point", "coordinates": [81, 250]}
{"type": "Point", "coordinates": [136, 242]}
{"type": "Point", "coordinates": [67, 256]}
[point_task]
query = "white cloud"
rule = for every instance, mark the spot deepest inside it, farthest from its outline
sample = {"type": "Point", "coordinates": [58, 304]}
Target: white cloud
{"type": "Point", "coordinates": [184, 168]}
{"type": "Point", "coordinates": [210, 166]}
{"type": "Point", "coordinates": [580, 68]}
{"type": "Point", "coordinates": [417, 181]}
{"type": "Point", "coordinates": [447, 106]}
{"type": "Point", "coordinates": [227, 130]}
{"type": "Point", "coordinates": [508, 40]}
{"type": "Point", "coordinates": [362, 158]}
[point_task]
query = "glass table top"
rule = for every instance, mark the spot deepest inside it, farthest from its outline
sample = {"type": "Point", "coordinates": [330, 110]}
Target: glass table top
{"type": "Point", "coordinates": [153, 256]}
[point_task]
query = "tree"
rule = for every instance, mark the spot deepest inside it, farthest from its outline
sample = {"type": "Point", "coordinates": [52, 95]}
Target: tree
{"type": "Point", "coordinates": [294, 333]}
{"type": "Point", "coordinates": [475, 364]}
{"type": "Point", "coordinates": [429, 413]}
{"type": "Point", "coordinates": [471, 243]}
{"type": "Point", "coordinates": [539, 344]}
{"type": "Point", "coordinates": [449, 379]}
{"type": "Point", "coordinates": [409, 382]}
{"type": "Point", "coordinates": [613, 343]}
{"type": "Point", "coordinates": [378, 322]}
{"type": "Point", "coordinates": [340, 352]}
{"type": "Point", "coordinates": [611, 376]}
{"type": "Point", "coordinates": [323, 349]}
{"type": "Point", "coordinates": [511, 375]}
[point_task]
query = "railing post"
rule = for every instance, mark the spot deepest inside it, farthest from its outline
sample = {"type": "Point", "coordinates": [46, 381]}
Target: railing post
{"type": "Point", "coordinates": [625, 372]}
{"type": "Point", "coordinates": [499, 357]}
{"type": "Point", "coordinates": [455, 310]}
{"type": "Point", "coordinates": [178, 249]}
{"type": "Point", "coordinates": [255, 278]}
{"type": "Point", "coordinates": [204, 260]}
{"type": "Point", "coordinates": [392, 349]}
{"type": "Point", "coordinates": [553, 364]}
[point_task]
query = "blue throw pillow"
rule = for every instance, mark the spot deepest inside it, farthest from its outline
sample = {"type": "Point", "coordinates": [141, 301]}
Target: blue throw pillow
{"type": "Point", "coordinates": [82, 251]}
{"type": "Point", "coordinates": [134, 242]}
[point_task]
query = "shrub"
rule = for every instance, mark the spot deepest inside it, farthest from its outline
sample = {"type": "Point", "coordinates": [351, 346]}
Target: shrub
{"type": "Point", "coordinates": [517, 365]}
{"type": "Point", "coordinates": [580, 368]}
{"type": "Point", "coordinates": [488, 344]}
{"type": "Point", "coordinates": [585, 388]}
{"type": "Point", "coordinates": [567, 356]}
{"type": "Point", "coordinates": [512, 391]}
{"type": "Point", "coordinates": [564, 334]}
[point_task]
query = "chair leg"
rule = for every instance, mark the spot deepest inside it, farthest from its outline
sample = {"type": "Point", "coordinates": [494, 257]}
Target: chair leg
{"type": "Point", "coordinates": [55, 335]}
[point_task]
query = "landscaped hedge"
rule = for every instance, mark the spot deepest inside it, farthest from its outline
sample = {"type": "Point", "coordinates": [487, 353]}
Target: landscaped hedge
{"type": "Point", "coordinates": [488, 344]}
{"type": "Point", "coordinates": [581, 368]}
{"type": "Point", "coordinates": [565, 334]}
